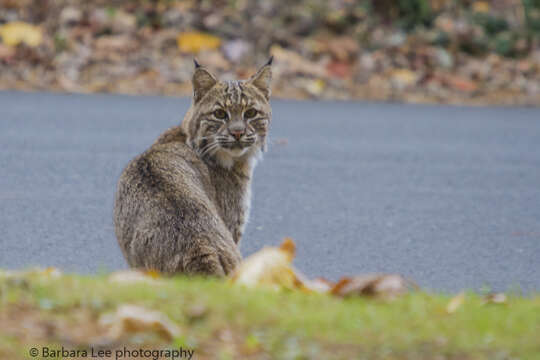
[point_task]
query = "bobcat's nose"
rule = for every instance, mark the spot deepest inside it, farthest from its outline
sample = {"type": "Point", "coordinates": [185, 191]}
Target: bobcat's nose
{"type": "Point", "coordinates": [237, 132]}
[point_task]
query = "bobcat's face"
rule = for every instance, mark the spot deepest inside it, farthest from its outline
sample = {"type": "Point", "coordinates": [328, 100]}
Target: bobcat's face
{"type": "Point", "coordinates": [230, 119]}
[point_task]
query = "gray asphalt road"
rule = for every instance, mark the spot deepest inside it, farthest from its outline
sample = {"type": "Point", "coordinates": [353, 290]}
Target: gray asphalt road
{"type": "Point", "coordinates": [448, 196]}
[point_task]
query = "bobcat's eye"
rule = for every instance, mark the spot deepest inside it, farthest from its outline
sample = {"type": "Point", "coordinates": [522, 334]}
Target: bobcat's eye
{"type": "Point", "coordinates": [220, 114]}
{"type": "Point", "coordinates": [213, 126]}
{"type": "Point", "coordinates": [250, 113]}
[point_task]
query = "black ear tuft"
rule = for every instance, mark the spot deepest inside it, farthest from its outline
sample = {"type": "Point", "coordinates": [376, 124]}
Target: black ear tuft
{"type": "Point", "coordinates": [197, 65]}
{"type": "Point", "coordinates": [261, 80]}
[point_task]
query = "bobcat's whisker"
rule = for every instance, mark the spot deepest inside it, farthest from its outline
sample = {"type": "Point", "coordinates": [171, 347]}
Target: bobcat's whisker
{"type": "Point", "coordinates": [209, 148]}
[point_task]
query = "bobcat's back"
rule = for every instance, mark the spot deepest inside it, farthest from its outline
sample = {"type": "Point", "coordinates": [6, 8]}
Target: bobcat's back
{"type": "Point", "coordinates": [165, 214]}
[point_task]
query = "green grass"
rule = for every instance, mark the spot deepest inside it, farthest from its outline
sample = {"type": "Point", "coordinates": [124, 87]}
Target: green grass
{"type": "Point", "coordinates": [243, 323]}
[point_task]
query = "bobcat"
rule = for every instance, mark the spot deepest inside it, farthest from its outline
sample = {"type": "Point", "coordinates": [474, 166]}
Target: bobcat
{"type": "Point", "coordinates": [182, 205]}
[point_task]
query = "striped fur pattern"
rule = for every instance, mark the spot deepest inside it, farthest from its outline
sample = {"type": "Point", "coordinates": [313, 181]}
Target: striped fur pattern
{"type": "Point", "coordinates": [182, 205]}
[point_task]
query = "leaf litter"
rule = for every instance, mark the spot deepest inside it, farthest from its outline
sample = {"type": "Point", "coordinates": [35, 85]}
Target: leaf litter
{"type": "Point", "coordinates": [474, 52]}
{"type": "Point", "coordinates": [272, 267]}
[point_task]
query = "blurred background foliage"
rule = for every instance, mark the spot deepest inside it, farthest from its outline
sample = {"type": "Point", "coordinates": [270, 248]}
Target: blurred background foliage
{"type": "Point", "coordinates": [460, 51]}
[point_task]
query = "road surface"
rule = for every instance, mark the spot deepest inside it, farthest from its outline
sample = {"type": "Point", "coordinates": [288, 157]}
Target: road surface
{"type": "Point", "coordinates": [447, 196]}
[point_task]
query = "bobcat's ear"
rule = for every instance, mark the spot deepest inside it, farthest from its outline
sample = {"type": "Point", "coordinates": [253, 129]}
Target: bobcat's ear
{"type": "Point", "coordinates": [261, 80]}
{"type": "Point", "coordinates": [202, 81]}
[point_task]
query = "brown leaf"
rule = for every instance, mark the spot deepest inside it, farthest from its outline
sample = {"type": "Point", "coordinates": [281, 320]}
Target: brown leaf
{"type": "Point", "coordinates": [377, 285]}
{"type": "Point", "coordinates": [495, 298]}
{"type": "Point", "coordinates": [289, 247]}
{"type": "Point", "coordinates": [339, 69]}
{"type": "Point", "coordinates": [460, 83]}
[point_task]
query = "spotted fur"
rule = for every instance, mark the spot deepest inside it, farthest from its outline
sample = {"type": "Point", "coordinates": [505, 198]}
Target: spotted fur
{"type": "Point", "coordinates": [182, 205]}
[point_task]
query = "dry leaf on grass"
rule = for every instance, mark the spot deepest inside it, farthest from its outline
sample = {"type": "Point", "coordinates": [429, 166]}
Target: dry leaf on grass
{"type": "Point", "coordinates": [130, 319]}
{"type": "Point", "coordinates": [318, 285]}
{"type": "Point", "coordinates": [134, 276]}
{"type": "Point", "coordinates": [51, 272]}
{"type": "Point", "coordinates": [17, 32]}
{"type": "Point", "coordinates": [497, 298]}
{"type": "Point", "coordinates": [455, 303]}
{"type": "Point", "coordinates": [270, 266]}
{"type": "Point", "coordinates": [376, 285]}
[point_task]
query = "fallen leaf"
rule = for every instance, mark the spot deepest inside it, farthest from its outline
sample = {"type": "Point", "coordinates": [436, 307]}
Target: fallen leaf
{"type": "Point", "coordinates": [460, 83]}
{"type": "Point", "coordinates": [339, 69]}
{"type": "Point", "coordinates": [130, 319]}
{"type": "Point", "coordinates": [194, 42]}
{"type": "Point", "coordinates": [376, 285]}
{"type": "Point", "coordinates": [270, 266]}
{"type": "Point", "coordinates": [17, 32]}
{"type": "Point", "coordinates": [455, 303]}
{"type": "Point", "coordinates": [288, 247]}
{"type": "Point", "coordinates": [51, 272]}
{"type": "Point", "coordinates": [318, 285]}
{"type": "Point", "coordinates": [497, 298]}
{"type": "Point", "coordinates": [135, 276]}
